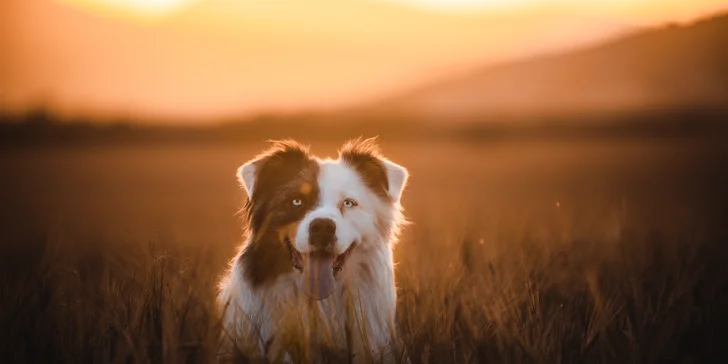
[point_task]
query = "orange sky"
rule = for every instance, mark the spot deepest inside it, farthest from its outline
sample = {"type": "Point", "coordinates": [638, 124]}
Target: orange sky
{"type": "Point", "coordinates": [212, 58]}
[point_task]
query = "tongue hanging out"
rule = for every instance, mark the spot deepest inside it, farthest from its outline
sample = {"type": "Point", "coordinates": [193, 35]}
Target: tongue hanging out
{"type": "Point", "coordinates": [318, 280]}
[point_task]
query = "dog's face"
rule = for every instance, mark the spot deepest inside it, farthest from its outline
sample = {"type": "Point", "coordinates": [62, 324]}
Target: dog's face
{"type": "Point", "coordinates": [309, 216]}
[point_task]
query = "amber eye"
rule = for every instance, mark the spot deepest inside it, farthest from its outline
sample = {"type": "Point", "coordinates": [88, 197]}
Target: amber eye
{"type": "Point", "coordinates": [349, 203]}
{"type": "Point", "coordinates": [297, 202]}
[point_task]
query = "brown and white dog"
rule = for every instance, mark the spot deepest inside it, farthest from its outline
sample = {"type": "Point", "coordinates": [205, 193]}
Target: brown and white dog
{"type": "Point", "coordinates": [316, 269]}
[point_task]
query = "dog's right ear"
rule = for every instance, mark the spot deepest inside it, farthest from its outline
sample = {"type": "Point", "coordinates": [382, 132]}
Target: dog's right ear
{"type": "Point", "coordinates": [247, 175]}
{"type": "Point", "coordinates": [275, 165]}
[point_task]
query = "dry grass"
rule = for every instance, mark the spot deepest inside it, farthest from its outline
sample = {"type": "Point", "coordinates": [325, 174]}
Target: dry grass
{"type": "Point", "coordinates": [483, 276]}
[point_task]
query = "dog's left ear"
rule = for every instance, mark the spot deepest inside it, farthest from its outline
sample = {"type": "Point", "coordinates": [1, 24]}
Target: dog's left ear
{"type": "Point", "coordinates": [383, 176]}
{"type": "Point", "coordinates": [396, 179]}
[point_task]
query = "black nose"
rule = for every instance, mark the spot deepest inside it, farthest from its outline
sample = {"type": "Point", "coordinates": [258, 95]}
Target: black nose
{"type": "Point", "coordinates": [321, 232]}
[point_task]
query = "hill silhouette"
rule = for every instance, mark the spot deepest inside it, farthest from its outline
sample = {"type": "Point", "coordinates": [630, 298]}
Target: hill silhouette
{"type": "Point", "coordinates": [672, 67]}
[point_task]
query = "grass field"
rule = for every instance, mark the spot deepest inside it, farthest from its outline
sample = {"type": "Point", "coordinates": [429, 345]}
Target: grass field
{"type": "Point", "coordinates": [539, 251]}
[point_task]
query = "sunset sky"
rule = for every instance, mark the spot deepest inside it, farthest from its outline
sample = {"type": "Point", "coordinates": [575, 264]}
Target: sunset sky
{"type": "Point", "coordinates": [188, 59]}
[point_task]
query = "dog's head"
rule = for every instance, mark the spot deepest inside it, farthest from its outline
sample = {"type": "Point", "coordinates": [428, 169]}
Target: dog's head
{"type": "Point", "coordinates": [307, 216]}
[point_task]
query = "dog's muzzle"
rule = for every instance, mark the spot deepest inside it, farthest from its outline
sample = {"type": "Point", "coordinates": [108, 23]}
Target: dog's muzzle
{"type": "Point", "coordinates": [320, 267]}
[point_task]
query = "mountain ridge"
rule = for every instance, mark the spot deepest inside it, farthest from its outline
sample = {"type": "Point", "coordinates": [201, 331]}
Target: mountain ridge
{"type": "Point", "coordinates": [673, 66]}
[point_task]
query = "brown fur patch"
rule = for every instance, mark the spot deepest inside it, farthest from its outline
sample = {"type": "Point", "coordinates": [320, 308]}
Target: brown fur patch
{"type": "Point", "coordinates": [283, 173]}
{"type": "Point", "coordinates": [364, 156]}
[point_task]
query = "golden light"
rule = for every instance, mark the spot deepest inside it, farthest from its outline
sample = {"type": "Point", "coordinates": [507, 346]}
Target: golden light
{"type": "Point", "coordinates": [136, 7]}
{"type": "Point", "coordinates": [464, 5]}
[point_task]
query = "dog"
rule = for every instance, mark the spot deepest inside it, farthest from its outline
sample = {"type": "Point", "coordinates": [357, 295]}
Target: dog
{"type": "Point", "coordinates": [316, 274]}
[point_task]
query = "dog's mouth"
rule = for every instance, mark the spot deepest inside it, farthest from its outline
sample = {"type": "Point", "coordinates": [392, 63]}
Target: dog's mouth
{"type": "Point", "coordinates": [319, 269]}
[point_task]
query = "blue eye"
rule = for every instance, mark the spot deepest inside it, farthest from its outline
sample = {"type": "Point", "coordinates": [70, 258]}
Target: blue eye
{"type": "Point", "coordinates": [349, 203]}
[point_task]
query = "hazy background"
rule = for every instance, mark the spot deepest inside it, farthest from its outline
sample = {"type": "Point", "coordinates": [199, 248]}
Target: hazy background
{"type": "Point", "coordinates": [194, 61]}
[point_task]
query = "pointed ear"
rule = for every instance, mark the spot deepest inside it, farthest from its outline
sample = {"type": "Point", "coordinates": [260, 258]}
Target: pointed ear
{"type": "Point", "coordinates": [247, 175]}
{"type": "Point", "coordinates": [396, 178]}
{"type": "Point", "coordinates": [273, 164]}
{"type": "Point", "coordinates": [384, 177]}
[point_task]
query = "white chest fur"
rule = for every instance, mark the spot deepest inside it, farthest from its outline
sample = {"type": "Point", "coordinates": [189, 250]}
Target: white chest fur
{"type": "Point", "coordinates": [274, 319]}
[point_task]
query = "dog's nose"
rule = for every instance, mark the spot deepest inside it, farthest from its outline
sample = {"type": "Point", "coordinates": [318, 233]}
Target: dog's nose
{"type": "Point", "coordinates": [321, 232]}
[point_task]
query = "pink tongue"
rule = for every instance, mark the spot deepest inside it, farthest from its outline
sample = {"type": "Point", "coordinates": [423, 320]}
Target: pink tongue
{"type": "Point", "coordinates": [318, 275]}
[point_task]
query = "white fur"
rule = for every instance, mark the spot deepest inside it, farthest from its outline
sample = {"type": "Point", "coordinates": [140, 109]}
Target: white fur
{"type": "Point", "coordinates": [253, 317]}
